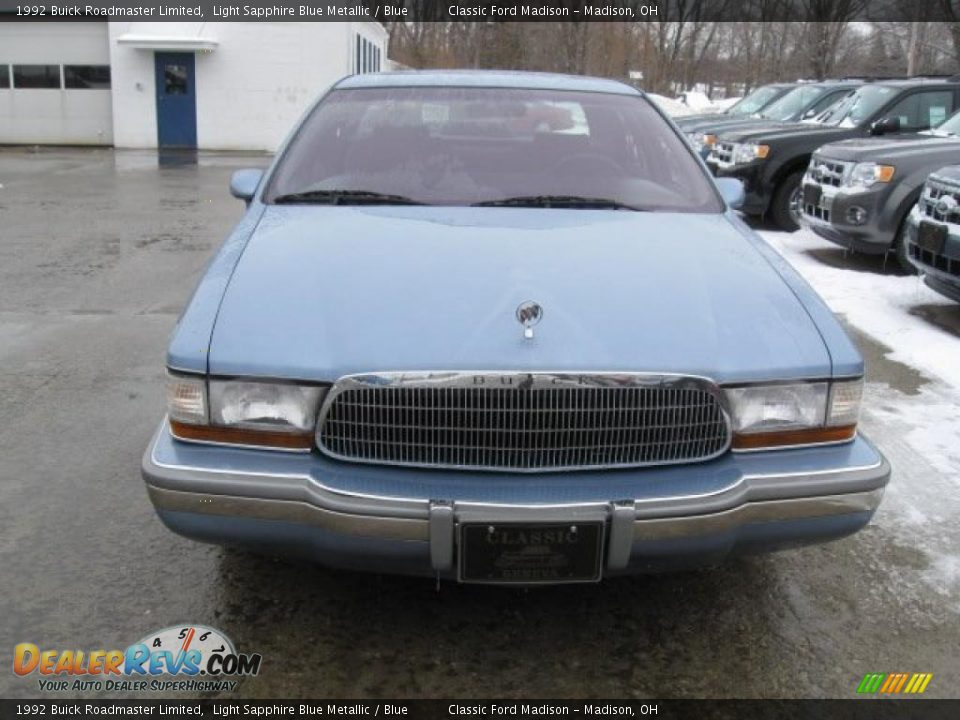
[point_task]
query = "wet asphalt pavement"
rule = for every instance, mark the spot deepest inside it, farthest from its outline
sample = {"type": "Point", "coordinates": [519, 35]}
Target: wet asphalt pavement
{"type": "Point", "coordinates": [99, 251]}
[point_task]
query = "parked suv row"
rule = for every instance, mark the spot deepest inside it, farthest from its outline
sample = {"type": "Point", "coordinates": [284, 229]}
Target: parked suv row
{"type": "Point", "coordinates": [773, 159]}
{"type": "Point", "coordinates": [789, 103]}
{"type": "Point", "coordinates": [858, 193]}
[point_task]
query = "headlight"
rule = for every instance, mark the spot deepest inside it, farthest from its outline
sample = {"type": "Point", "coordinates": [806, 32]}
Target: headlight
{"type": "Point", "coordinates": [271, 414]}
{"type": "Point", "coordinates": [701, 140]}
{"type": "Point", "coordinates": [766, 416]}
{"type": "Point", "coordinates": [748, 152]}
{"type": "Point", "coordinates": [187, 399]}
{"type": "Point", "coordinates": [868, 174]}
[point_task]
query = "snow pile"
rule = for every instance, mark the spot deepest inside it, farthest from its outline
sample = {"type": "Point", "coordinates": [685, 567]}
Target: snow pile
{"type": "Point", "coordinates": [697, 101]}
{"type": "Point", "coordinates": [673, 108]}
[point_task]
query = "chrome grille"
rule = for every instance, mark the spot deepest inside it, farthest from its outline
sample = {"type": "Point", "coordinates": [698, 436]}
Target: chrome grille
{"type": "Point", "coordinates": [940, 200]}
{"type": "Point", "coordinates": [723, 152]}
{"type": "Point", "coordinates": [523, 422]}
{"type": "Point", "coordinates": [828, 172]}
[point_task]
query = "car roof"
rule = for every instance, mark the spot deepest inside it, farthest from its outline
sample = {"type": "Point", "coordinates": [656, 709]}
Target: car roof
{"type": "Point", "coordinates": [918, 82]}
{"type": "Point", "coordinates": [487, 78]}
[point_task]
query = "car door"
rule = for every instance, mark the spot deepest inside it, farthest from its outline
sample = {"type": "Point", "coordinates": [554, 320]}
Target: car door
{"type": "Point", "coordinates": [921, 109]}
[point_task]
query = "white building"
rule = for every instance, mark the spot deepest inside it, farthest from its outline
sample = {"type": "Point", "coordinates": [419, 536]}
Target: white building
{"type": "Point", "coordinates": [222, 86]}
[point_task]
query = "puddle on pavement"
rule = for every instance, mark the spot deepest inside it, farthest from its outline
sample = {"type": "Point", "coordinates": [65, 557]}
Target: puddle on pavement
{"type": "Point", "coordinates": [880, 368]}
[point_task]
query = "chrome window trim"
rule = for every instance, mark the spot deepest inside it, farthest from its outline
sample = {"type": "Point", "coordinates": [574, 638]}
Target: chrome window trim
{"type": "Point", "coordinates": [544, 379]}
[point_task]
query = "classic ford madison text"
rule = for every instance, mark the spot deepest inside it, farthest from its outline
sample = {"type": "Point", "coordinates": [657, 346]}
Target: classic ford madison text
{"type": "Point", "coordinates": [505, 328]}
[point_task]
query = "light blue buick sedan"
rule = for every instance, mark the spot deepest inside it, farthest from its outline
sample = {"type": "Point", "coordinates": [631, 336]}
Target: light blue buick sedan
{"type": "Point", "coordinates": [505, 328]}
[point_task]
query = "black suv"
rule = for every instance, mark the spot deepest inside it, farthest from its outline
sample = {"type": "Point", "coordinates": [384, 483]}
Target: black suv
{"type": "Point", "coordinates": [772, 161]}
{"type": "Point", "coordinates": [804, 102]}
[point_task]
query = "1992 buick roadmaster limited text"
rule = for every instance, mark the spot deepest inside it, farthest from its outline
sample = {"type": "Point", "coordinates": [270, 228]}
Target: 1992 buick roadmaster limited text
{"type": "Point", "coordinates": [501, 327]}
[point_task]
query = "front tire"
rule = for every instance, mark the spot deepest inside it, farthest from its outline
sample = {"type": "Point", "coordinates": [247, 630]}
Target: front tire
{"type": "Point", "coordinates": [785, 207]}
{"type": "Point", "coordinates": [900, 249]}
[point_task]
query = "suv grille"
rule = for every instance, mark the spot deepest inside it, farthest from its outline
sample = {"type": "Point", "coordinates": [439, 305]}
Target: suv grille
{"type": "Point", "coordinates": [934, 260]}
{"type": "Point", "coordinates": [940, 200]}
{"type": "Point", "coordinates": [723, 152]}
{"type": "Point", "coordinates": [523, 422]}
{"type": "Point", "coordinates": [827, 172]}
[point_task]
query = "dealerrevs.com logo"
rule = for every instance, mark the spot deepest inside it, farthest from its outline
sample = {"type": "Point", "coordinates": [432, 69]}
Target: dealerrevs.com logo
{"type": "Point", "coordinates": [183, 657]}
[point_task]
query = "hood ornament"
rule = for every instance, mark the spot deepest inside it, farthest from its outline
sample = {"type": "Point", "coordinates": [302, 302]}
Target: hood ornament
{"type": "Point", "coordinates": [529, 314]}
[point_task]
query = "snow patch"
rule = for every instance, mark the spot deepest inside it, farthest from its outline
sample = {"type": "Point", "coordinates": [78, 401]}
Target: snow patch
{"type": "Point", "coordinates": [878, 304]}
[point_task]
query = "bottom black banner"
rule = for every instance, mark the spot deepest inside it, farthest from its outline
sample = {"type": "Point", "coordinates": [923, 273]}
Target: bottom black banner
{"type": "Point", "coordinates": [860, 709]}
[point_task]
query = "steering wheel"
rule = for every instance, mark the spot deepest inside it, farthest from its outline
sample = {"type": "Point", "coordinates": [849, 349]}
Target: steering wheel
{"type": "Point", "coordinates": [587, 162]}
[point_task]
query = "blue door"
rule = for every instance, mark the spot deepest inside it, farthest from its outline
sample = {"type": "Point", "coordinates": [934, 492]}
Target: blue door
{"type": "Point", "coordinates": [176, 100]}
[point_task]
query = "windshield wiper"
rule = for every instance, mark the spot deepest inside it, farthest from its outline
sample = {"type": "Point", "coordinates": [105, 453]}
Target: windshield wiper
{"type": "Point", "coordinates": [343, 197]}
{"type": "Point", "coordinates": [559, 201]}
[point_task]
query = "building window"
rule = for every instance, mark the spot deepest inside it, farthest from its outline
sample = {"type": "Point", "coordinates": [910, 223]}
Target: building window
{"type": "Point", "coordinates": [4, 76]}
{"type": "Point", "coordinates": [36, 76]}
{"type": "Point", "coordinates": [367, 56]}
{"type": "Point", "coordinates": [86, 77]}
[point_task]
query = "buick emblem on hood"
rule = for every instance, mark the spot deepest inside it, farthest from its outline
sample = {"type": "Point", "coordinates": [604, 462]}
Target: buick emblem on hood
{"type": "Point", "coordinates": [529, 314]}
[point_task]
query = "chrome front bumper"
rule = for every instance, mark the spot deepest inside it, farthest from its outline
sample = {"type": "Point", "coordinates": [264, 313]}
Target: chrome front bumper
{"type": "Point", "coordinates": [285, 511]}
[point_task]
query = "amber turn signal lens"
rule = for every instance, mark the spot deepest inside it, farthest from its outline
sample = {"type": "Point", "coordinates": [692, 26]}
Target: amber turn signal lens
{"type": "Point", "coordinates": [763, 151]}
{"type": "Point", "coordinates": [709, 139]}
{"type": "Point", "coordinates": [809, 436]}
{"type": "Point", "coordinates": [238, 436]}
{"type": "Point", "coordinates": [885, 173]}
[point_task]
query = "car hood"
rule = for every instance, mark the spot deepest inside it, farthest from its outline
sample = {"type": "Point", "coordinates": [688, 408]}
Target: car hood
{"type": "Point", "coordinates": [689, 123]}
{"type": "Point", "coordinates": [725, 124]}
{"type": "Point", "coordinates": [892, 148]}
{"type": "Point", "coordinates": [322, 292]}
{"type": "Point", "coordinates": [771, 133]}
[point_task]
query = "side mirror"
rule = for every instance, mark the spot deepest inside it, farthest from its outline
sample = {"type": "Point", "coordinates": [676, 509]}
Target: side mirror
{"type": "Point", "coordinates": [732, 191]}
{"type": "Point", "coordinates": [885, 125]}
{"type": "Point", "coordinates": [244, 183]}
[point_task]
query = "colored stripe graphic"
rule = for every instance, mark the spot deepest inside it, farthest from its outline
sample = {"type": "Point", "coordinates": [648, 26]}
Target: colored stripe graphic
{"type": "Point", "coordinates": [894, 683]}
{"type": "Point", "coordinates": [870, 683]}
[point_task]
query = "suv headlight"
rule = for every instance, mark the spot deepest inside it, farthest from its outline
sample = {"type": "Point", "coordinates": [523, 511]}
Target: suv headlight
{"type": "Point", "coordinates": [701, 140]}
{"type": "Point", "coordinates": [242, 412]}
{"type": "Point", "coordinates": [868, 174]}
{"type": "Point", "coordinates": [765, 416]}
{"type": "Point", "coordinates": [748, 152]}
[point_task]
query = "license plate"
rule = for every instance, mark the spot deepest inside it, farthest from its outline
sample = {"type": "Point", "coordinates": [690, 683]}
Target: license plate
{"type": "Point", "coordinates": [931, 236]}
{"type": "Point", "coordinates": [531, 553]}
{"type": "Point", "coordinates": [812, 194]}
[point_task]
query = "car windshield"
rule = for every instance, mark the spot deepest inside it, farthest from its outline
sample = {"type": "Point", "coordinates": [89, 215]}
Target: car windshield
{"type": "Point", "coordinates": [793, 103]}
{"type": "Point", "coordinates": [859, 107]}
{"type": "Point", "coordinates": [754, 102]}
{"type": "Point", "coordinates": [488, 146]}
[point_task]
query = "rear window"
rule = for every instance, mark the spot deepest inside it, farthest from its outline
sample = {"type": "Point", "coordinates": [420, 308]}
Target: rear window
{"type": "Point", "coordinates": [462, 146]}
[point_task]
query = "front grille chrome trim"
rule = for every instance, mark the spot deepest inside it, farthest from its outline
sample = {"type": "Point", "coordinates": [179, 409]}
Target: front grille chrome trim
{"type": "Point", "coordinates": [694, 402]}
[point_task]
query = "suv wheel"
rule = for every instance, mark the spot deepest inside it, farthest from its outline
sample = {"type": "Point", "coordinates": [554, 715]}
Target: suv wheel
{"type": "Point", "coordinates": [785, 208]}
{"type": "Point", "coordinates": [900, 249]}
